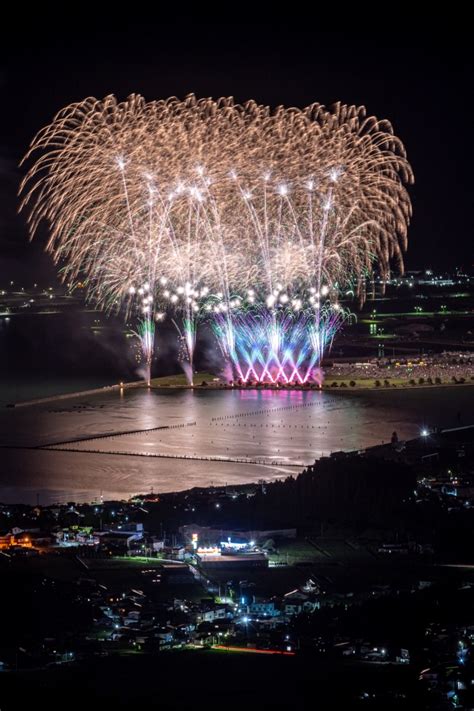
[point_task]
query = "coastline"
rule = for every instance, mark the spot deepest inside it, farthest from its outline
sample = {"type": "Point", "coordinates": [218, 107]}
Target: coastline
{"type": "Point", "coordinates": [361, 386]}
{"type": "Point", "coordinates": [252, 486]}
{"type": "Point", "coordinates": [80, 393]}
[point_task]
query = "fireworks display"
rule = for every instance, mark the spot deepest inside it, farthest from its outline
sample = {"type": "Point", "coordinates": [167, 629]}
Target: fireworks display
{"type": "Point", "coordinates": [256, 220]}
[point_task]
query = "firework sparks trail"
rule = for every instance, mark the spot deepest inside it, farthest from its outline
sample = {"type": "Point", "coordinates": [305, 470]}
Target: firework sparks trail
{"type": "Point", "coordinates": [281, 346]}
{"type": "Point", "coordinates": [146, 335]}
{"type": "Point", "coordinates": [257, 220]}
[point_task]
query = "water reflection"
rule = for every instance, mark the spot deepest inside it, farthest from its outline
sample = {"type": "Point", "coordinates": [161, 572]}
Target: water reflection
{"type": "Point", "coordinates": [291, 428]}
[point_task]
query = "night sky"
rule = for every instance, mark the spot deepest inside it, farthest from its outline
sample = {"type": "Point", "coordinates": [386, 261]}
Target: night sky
{"type": "Point", "coordinates": [423, 86]}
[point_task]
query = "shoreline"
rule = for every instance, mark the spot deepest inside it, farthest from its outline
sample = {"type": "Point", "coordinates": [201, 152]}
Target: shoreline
{"type": "Point", "coordinates": [302, 388]}
{"type": "Point", "coordinates": [138, 384]}
{"type": "Point", "coordinates": [117, 387]}
{"type": "Point", "coordinates": [224, 488]}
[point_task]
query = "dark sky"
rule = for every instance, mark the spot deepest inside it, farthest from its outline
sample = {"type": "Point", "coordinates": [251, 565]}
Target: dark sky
{"type": "Point", "coordinates": [422, 84]}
